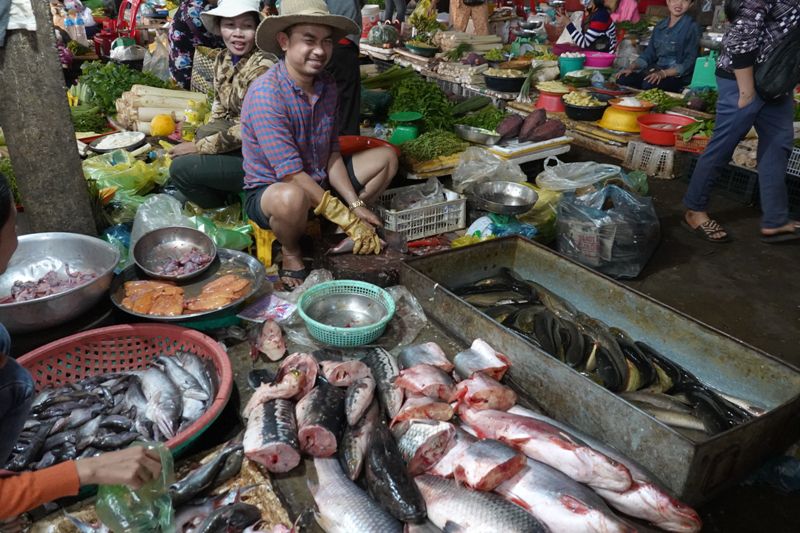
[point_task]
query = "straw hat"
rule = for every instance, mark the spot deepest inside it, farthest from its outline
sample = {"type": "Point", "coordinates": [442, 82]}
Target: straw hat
{"type": "Point", "coordinates": [228, 9]}
{"type": "Point", "coordinates": [301, 12]}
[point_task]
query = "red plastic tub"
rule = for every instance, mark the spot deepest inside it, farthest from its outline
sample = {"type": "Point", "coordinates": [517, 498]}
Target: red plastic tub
{"type": "Point", "coordinates": [550, 102]}
{"type": "Point", "coordinates": [660, 128]}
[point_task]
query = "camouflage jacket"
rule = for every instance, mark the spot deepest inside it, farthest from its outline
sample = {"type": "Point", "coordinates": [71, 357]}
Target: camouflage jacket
{"type": "Point", "coordinates": [230, 85]}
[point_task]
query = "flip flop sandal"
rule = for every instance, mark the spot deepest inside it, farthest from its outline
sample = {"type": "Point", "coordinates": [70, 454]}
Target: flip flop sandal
{"type": "Point", "coordinates": [707, 229]}
{"type": "Point", "coordinates": [778, 238]}
{"type": "Point", "coordinates": [300, 274]}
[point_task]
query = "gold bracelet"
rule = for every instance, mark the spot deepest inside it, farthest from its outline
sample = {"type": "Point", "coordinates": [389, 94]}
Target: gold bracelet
{"type": "Point", "coordinates": [358, 203]}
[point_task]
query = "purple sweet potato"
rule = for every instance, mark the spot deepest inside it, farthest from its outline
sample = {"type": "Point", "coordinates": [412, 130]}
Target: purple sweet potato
{"type": "Point", "coordinates": [532, 121]}
{"type": "Point", "coordinates": [551, 129]}
{"type": "Point", "coordinates": [510, 126]}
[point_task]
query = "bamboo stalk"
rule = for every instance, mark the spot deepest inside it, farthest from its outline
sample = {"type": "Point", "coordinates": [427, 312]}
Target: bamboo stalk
{"type": "Point", "coordinates": [142, 90]}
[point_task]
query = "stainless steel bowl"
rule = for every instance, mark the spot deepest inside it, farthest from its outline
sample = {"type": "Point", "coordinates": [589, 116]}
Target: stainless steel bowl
{"type": "Point", "coordinates": [346, 310]}
{"type": "Point", "coordinates": [503, 197]}
{"type": "Point", "coordinates": [477, 135]}
{"type": "Point", "coordinates": [38, 254]}
{"type": "Point", "coordinates": [156, 247]}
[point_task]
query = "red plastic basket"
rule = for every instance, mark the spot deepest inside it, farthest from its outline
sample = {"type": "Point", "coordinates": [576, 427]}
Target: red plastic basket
{"type": "Point", "coordinates": [130, 347]}
{"type": "Point", "coordinates": [695, 145]}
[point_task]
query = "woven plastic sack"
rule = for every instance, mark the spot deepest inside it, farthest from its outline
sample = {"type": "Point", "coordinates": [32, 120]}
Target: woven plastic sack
{"type": "Point", "coordinates": [560, 176]}
{"type": "Point", "coordinates": [478, 165]}
{"type": "Point", "coordinates": [610, 230]}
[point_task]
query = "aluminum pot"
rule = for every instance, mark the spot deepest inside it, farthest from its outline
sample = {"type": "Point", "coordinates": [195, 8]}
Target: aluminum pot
{"type": "Point", "coordinates": [39, 253]}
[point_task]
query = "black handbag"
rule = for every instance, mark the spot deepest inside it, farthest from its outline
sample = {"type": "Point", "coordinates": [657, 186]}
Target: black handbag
{"type": "Point", "coordinates": [780, 72]}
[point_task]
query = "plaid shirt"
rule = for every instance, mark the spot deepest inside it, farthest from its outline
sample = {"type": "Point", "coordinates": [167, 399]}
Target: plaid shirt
{"type": "Point", "coordinates": [283, 132]}
{"type": "Point", "coordinates": [759, 26]}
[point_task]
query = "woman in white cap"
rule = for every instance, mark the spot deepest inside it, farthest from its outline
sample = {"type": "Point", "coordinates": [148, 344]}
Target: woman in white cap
{"type": "Point", "coordinates": [290, 140]}
{"type": "Point", "coordinates": [209, 169]}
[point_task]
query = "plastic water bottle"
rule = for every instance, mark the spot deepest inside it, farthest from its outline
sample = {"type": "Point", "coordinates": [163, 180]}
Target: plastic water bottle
{"type": "Point", "coordinates": [80, 30]}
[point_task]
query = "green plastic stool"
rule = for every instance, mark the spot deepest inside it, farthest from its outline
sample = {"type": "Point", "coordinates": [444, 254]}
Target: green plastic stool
{"type": "Point", "coordinates": [705, 72]}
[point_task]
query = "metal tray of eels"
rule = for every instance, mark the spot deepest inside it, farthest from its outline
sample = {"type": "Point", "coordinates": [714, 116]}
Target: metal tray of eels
{"type": "Point", "coordinates": [693, 465]}
{"type": "Point", "coordinates": [226, 262]}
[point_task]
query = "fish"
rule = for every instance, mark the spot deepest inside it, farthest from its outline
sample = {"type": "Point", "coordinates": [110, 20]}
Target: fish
{"type": "Point", "coordinates": [483, 465]}
{"type": "Point", "coordinates": [546, 443]}
{"type": "Point", "coordinates": [199, 370]}
{"type": "Point", "coordinates": [505, 280]}
{"type": "Point", "coordinates": [504, 313]}
{"type": "Point", "coordinates": [385, 371]}
{"type": "Point", "coordinates": [345, 508]}
{"type": "Point", "coordinates": [356, 440]}
{"type": "Point", "coordinates": [232, 466]}
{"type": "Point", "coordinates": [656, 399]}
{"type": "Point", "coordinates": [459, 509]}
{"type": "Point", "coordinates": [644, 368]}
{"type": "Point", "coordinates": [270, 438]}
{"type": "Point", "coordinates": [425, 527]}
{"type": "Point", "coordinates": [31, 452]}
{"type": "Point", "coordinates": [559, 306]}
{"type": "Point", "coordinates": [114, 441]}
{"type": "Point", "coordinates": [320, 419]}
{"type": "Point", "coordinates": [495, 298]}
{"type": "Point", "coordinates": [559, 502]}
{"type": "Point", "coordinates": [482, 392]}
{"type": "Point", "coordinates": [427, 380]}
{"type": "Point", "coordinates": [646, 498]}
{"type": "Point", "coordinates": [358, 398]}
{"type": "Point", "coordinates": [344, 373]}
{"type": "Point", "coordinates": [388, 481]}
{"type": "Point", "coordinates": [295, 378]}
{"type": "Point", "coordinates": [446, 465]}
{"type": "Point", "coordinates": [79, 417]}
{"type": "Point", "coordinates": [230, 518]}
{"type": "Point", "coordinates": [480, 357]}
{"type": "Point", "coordinates": [611, 365]}
{"type": "Point", "coordinates": [424, 408]}
{"type": "Point", "coordinates": [270, 341]}
{"type": "Point", "coordinates": [428, 353]}
{"type": "Point", "coordinates": [164, 405]}
{"type": "Point", "coordinates": [424, 443]}
{"type": "Point", "coordinates": [674, 418]}
{"type": "Point", "coordinates": [186, 382]}
{"type": "Point", "coordinates": [202, 478]}
{"type": "Point", "coordinates": [717, 414]}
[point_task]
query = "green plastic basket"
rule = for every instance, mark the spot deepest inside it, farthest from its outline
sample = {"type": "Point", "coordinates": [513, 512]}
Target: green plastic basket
{"type": "Point", "coordinates": [339, 336]}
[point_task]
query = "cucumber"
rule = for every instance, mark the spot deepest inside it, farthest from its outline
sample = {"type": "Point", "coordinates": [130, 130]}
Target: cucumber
{"type": "Point", "coordinates": [470, 104]}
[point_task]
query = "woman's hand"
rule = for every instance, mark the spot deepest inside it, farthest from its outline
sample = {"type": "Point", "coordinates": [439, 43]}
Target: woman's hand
{"type": "Point", "coordinates": [133, 466]}
{"type": "Point", "coordinates": [746, 98]}
{"type": "Point", "coordinates": [625, 72]}
{"type": "Point", "coordinates": [562, 19]}
{"type": "Point", "coordinates": [368, 216]}
{"type": "Point", "coordinates": [655, 77]}
{"type": "Point", "coordinates": [184, 148]}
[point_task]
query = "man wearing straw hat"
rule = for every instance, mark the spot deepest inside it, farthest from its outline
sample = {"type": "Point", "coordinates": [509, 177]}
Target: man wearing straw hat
{"type": "Point", "coordinates": [290, 139]}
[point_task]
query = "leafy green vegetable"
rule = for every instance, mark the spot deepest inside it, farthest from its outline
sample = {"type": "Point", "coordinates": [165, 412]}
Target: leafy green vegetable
{"type": "Point", "coordinates": [387, 78]}
{"type": "Point", "coordinates": [487, 118]}
{"type": "Point", "coordinates": [88, 118]}
{"type": "Point", "coordinates": [456, 53]}
{"type": "Point", "coordinates": [8, 171]}
{"type": "Point", "coordinates": [634, 28]}
{"type": "Point", "coordinates": [704, 128]}
{"type": "Point", "coordinates": [495, 54]}
{"type": "Point", "coordinates": [415, 94]}
{"type": "Point", "coordinates": [108, 81]}
{"type": "Point", "coordinates": [437, 143]}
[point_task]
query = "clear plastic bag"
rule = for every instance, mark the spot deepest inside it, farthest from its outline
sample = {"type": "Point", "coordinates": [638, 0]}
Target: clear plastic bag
{"type": "Point", "coordinates": [233, 238]}
{"type": "Point", "coordinates": [123, 509]}
{"type": "Point", "coordinates": [573, 176]}
{"type": "Point", "coordinates": [158, 211]}
{"type": "Point", "coordinates": [119, 236]}
{"type": "Point", "coordinates": [384, 35]}
{"type": "Point", "coordinates": [429, 193]}
{"type": "Point", "coordinates": [122, 170]}
{"type": "Point", "coordinates": [610, 230]}
{"type": "Point", "coordinates": [157, 62]}
{"type": "Point", "coordinates": [478, 165]}
{"type": "Point", "coordinates": [408, 320]}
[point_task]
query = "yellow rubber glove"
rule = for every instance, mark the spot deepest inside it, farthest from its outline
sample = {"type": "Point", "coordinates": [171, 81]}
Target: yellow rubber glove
{"type": "Point", "coordinates": [365, 239]}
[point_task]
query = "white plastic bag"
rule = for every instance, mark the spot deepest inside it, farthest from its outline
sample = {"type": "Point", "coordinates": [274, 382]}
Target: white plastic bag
{"type": "Point", "coordinates": [572, 176]}
{"type": "Point", "coordinates": [157, 61]}
{"type": "Point", "coordinates": [158, 211]}
{"type": "Point", "coordinates": [478, 165]}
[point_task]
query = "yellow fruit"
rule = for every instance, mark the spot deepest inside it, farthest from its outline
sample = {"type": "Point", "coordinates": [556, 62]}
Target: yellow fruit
{"type": "Point", "coordinates": [161, 126]}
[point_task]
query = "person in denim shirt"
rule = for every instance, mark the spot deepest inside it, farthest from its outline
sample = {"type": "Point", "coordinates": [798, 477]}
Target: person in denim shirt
{"type": "Point", "coordinates": [668, 61]}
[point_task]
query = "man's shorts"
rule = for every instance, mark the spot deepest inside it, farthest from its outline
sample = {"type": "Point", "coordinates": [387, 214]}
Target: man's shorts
{"type": "Point", "coordinates": [252, 201]}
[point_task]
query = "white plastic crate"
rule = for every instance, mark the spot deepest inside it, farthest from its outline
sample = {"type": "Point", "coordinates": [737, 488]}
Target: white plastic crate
{"type": "Point", "coordinates": [655, 161]}
{"type": "Point", "coordinates": [794, 163]}
{"type": "Point", "coordinates": [425, 221]}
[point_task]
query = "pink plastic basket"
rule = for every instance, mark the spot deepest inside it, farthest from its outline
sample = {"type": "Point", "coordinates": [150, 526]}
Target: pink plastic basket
{"type": "Point", "coordinates": [130, 347]}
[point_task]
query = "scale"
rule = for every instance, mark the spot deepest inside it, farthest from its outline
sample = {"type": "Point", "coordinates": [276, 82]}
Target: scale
{"type": "Point", "coordinates": [406, 129]}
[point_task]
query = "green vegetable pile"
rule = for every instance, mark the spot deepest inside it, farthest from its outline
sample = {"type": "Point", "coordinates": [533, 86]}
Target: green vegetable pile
{"type": "Point", "coordinates": [387, 78]}
{"type": "Point", "coordinates": [487, 118]}
{"type": "Point", "coordinates": [641, 27]}
{"type": "Point", "coordinates": [8, 172]}
{"type": "Point", "coordinates": [663, 101]}
{"type": "Point", "coordinates": [108, 81]}
{"type": "Point", "coordinates": [432, 145]}
{"type": "Point", "coordinates": [87, 117]}
{"type": "Point", "coordinates": [77, 48]}
{"type": "Point", "coordinates": [703, 128]}
{"type": "Point", "coordinates": [415, 94]}
{"type": "Point", "coordinates": [495, 54]}
{"type": "Point", "coordinates": [456, 53]}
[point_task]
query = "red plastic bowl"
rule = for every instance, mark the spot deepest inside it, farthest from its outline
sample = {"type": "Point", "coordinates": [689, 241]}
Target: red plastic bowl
{"type": "Point", "coordinates": [130, 347]}
{"type": "Point", "coordinates": [660, 128]}
{"type": "Point", "coordinates": [550, 102]}
{"type": "Point", "coordinates": [352, 144]}
{"type": "Point", "coordinates": [599, 59]}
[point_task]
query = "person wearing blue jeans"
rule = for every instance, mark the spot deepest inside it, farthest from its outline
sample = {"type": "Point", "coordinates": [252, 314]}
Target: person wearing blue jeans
{"type": "Point", "coordinates": [757, 28]}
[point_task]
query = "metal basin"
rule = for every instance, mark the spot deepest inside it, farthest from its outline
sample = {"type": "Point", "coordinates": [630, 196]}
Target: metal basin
{"type": "Point", "coordinates": [38, 254]}
{"type": "Point", "coordinates": [504, 197]}
{"type": "Point", "coordinates": [346, 310]}
{"type": "Point", "coordinates": [477, 135]}
{"type": "Point", "coordinates": [155, 248]}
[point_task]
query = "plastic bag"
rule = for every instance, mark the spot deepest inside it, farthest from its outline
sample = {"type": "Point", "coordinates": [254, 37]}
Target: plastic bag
{"type": "Point", "coordinates": [237, 238]}
{"type": "Point", "coordinates": [408, 320]}
{"type": "Point", "coordinates": [128, 53]}
{"type": "Point", "coordinates": [505, 225]}
{"type": "Point", "coordinates": [229, 215]}
{"type": "Point", "coordinates": [123, 207]}
{"type": "Point", "coordinates": [610, 230]}
{"type": "Point", "coordinates": [119, 237]}
{"type": "Point", "coordinates": [429, 193]}
{"type": "Point", "coordinates": [158, 211]}
{"type": "Point", "coordinates": [478, 165]}
{"type": "Point", "coordinates": [120, 169]}
{"type": "Point", "coordinates": [157, 61]}
{"type": "Point", "coordinates": [384, 35]}
{"type": "Point", "coordinates": [572, 176]}
{"type": "Point", "coordinates": [543, 214]}
{"type": "Point", "coordinates": [121, 508]}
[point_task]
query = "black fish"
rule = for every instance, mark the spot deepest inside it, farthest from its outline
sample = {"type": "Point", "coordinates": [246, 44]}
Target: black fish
{"type": "Point", "coordinates": [270, 438]}
{"type": "Point", "coordinates": [116, 422]}
{"type": "Point", "coordinates": [388, 480]}
{"type": "Point", "coordinates": [67, 452]}
{"type": "Point", "coordinates": [259, 376]}
{"type": "Point", "coordinates": [545, 328]}
{"type": "Point", "coordinates": [202, 478]}
{"type": "Point", "coordinates": [320, 420]}
{"type": "Point", "coordinates": [231, 468]}
{"type": "Point", "coordinates": [115, 440]}
{"type": "Point", "coordinates": [31, 452]}
{"type": "Point", "coordinates": [48, 459]}
{"type": "Point", "coordinates": [505, 281]}
{"type": "Point", "coordinates": [59, 439]}
{"type": "Point", "coordinates": [647, 372]}
{"type": "Point", "coordinates": [502, 313]}
{"type": "Point", "coordinates": [231, 518]}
